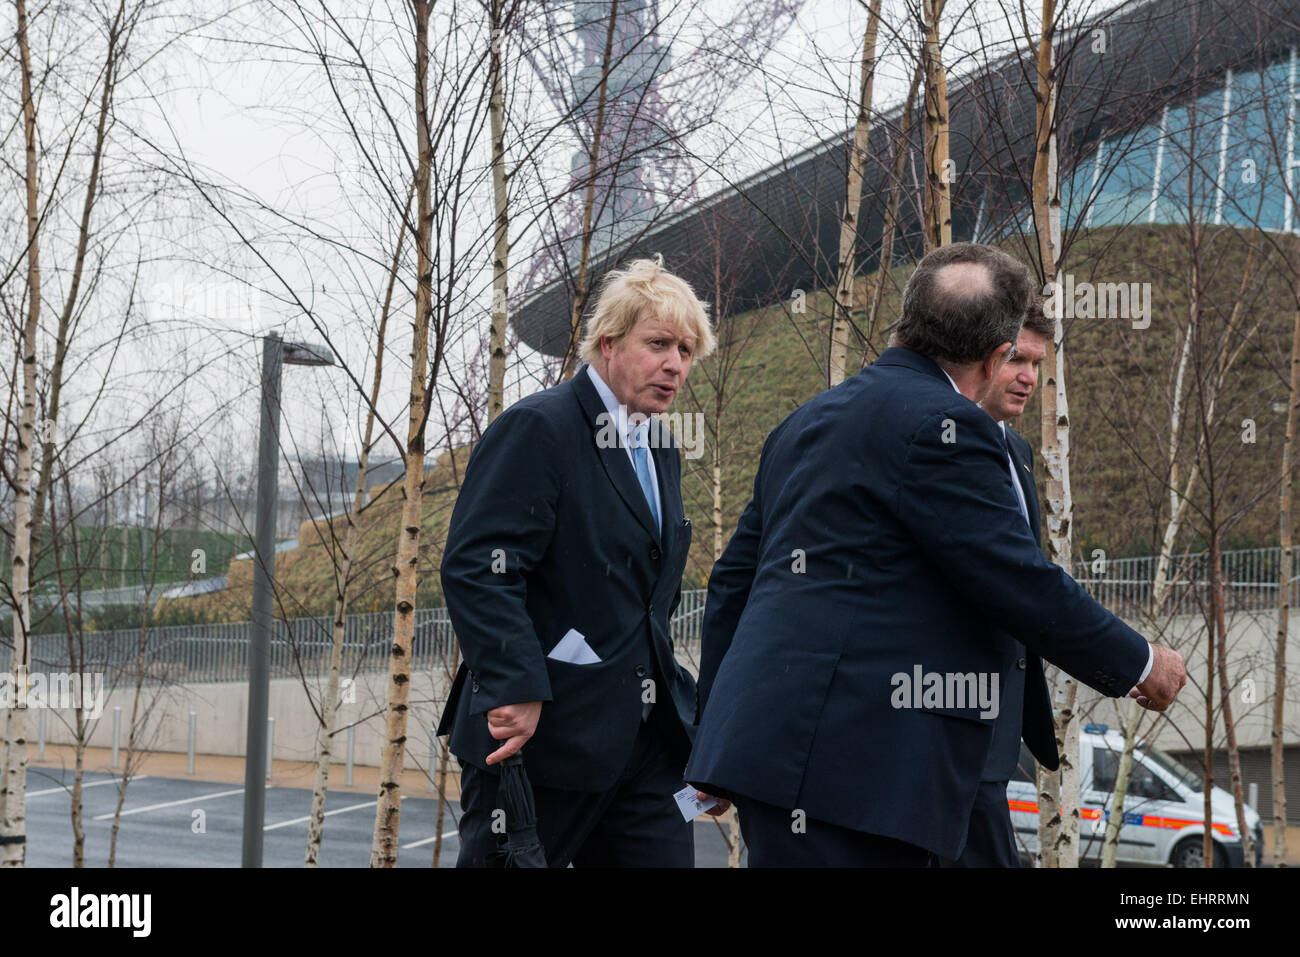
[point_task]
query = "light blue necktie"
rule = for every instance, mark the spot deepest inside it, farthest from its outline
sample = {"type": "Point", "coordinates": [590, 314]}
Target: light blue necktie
{"type": "Point", "coordinates": [641, 458]}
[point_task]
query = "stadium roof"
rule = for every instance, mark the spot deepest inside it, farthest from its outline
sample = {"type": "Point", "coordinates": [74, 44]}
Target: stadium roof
{"type": "Point", "coordinates": [779, 229]}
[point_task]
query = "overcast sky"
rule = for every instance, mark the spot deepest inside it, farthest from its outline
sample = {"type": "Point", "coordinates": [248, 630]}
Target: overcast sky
{"type": "Point", "coordinates": [258, 121]}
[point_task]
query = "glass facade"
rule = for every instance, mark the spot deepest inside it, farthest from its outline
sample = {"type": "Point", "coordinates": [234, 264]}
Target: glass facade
{"type": "Point", "coordinates": [1225, 158]}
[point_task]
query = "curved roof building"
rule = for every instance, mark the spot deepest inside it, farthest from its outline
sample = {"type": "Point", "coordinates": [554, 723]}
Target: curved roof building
{"type": "Point", "coordinates": [1161, 105]}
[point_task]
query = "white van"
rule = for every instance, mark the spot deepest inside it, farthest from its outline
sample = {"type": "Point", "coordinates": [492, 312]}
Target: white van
{"type": "Point", "coordinates": [1164, 812]}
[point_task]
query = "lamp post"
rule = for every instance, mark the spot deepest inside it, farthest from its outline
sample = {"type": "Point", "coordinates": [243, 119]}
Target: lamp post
{"type": "Point", "coordinates": [275, 353]}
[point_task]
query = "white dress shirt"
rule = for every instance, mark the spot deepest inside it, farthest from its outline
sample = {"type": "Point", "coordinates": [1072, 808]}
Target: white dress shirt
{"type": "Point", "coordinates": [630, 435]}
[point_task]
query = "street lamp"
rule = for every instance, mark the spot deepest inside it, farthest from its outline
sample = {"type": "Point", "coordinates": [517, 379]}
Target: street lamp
{"type": "Point", "coordinates": [275, 353]}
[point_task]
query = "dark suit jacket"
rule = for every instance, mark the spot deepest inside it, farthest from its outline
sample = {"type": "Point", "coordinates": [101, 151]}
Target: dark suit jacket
{"type": "Point", "coordinates": [883, 536]}
{"type": "Point", "coordinates": [1026, 701]}
{"type": "Point", "coordinates": [580, 550]}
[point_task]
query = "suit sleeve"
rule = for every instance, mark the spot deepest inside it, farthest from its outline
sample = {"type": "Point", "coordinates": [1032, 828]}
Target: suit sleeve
{"type": "Point", "coordinates": [500, 528]}
{"type": "Point", "coordinates": [956, 498]}
{"type": "Point", "coordinates": [729, 585]}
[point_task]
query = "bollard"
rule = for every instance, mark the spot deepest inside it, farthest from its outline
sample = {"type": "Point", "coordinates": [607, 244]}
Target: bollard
{"type": "Point", "coordinates": [270, 743]}
{"type": "Point", "coordinates": [189, 764]}
{"type": "Point", "coordinates": [40, 735]}
{"type": "Point", "coordinates": [1253, 800]}
{"type": "Point", "coordinates": [117, 732]}
{"type": "Point", "coordinates": [352, 747]}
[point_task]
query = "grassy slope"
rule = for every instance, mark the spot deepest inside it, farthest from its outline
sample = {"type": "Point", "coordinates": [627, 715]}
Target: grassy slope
{"type": "Point", "coordinates": [305, 576]}
{"type": "Point", "coordinates": [101, 555]}
{"type": "Point", "coordinates": [1118, 380]}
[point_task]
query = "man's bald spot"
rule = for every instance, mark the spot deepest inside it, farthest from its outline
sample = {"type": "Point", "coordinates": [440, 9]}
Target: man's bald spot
{"type": "Point", "coordinates": [960, 283]}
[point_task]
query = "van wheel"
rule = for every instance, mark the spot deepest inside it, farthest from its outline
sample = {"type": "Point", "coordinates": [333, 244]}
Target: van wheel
{"type": "Point", "coordinates": [1188, 853]}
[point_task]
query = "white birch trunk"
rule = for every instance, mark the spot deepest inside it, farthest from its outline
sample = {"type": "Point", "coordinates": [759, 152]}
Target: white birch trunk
{"type": "Point", "coordinates": [839, 347]}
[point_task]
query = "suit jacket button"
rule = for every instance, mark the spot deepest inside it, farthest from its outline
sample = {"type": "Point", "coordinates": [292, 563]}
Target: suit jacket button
{"type": "Point", "coordinates": [1020, 663]}
{"type": "Point", "coordinates": [654, 552]}
{"type": "Point", "coordinates": [640, 671]}
{"type": "Point", "coordinates": [650, 609]}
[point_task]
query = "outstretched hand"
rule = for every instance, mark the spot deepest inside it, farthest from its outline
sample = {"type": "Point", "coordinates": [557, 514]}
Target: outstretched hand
{"type": "Point", "coordinates": [1167, 677]}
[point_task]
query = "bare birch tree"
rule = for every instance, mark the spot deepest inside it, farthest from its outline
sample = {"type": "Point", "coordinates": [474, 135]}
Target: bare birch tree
{"type": "Point", "coordinates": [844, 286]}
{"type": "Point", "coordinates": [13, 827]}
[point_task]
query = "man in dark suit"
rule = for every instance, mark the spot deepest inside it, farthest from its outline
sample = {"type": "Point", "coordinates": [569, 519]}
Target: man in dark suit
{"type": "Point", "coordinates": [854, 631]}
{"type": "Point", "coordinates": [1026, 706]}
{"type": "Point", "coordinates": [563, 564]}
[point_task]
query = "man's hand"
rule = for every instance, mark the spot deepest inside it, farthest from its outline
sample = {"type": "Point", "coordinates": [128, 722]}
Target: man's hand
{"type": "Point", "coordinates": [719, 809]}
{"type": "Point", "coordinates": [514, 722]}
{"type": "Point", "coordinates": [1167, 677]}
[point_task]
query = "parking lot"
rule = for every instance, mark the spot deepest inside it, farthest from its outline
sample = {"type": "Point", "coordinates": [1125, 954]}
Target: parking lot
{"type": "Point", "coordinates": [172, 820]}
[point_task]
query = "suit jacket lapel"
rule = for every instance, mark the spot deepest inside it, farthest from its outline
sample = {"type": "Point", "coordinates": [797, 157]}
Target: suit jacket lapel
{"type": "Point", "coordinates": [670, 492]}
{"type": "Point", "coordinates": [1025, 475]}
{"type": "Point", "coordinates": [614, 459]}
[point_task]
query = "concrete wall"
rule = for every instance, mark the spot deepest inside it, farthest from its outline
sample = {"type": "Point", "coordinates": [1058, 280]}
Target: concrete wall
{"type": "Point", "coordinates": [222, 718]}
{"type": "Point", "coordinates": [222, 708]}
{"type": "Point", "coordinates": [1250, 653]}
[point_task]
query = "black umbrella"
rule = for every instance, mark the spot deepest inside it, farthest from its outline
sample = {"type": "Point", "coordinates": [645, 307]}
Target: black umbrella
{"type": "Point", "coordinates": [522, 848]}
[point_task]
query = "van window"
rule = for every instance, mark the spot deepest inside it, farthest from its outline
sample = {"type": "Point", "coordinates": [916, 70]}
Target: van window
{"type": "Point", "coordinates": [1105, 765]}
{"type": "Point", "coordinates": [1142, 781]}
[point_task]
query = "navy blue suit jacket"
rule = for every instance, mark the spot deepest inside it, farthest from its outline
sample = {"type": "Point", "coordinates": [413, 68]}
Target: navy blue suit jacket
{"type": "Point", "coordinates": [552, 532]}
{"type": "Point", "coordinates": [1026, 702]}
{"type": "Point", "coordinates": [883, 536]}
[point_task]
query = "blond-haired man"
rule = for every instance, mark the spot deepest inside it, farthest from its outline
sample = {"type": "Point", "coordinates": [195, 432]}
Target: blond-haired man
{"type": "Point", "coordinates": [563, 564]}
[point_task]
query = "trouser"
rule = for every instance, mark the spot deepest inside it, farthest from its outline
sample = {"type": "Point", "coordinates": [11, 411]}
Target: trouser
{"type": "Point", "coordinates": [991, 841]}
{"type": "Point", "coordinates": [635, 823]}
{"type": "Point", "coordinates": [776, 837]}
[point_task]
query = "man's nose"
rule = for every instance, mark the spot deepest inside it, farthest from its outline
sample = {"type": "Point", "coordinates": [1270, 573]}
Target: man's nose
{"type": "Point", "coordinates": [673, 363]}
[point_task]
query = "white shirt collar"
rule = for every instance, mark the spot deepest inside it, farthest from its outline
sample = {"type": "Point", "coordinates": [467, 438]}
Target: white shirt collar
{"type": "Point", "coordinates": [616, 409]}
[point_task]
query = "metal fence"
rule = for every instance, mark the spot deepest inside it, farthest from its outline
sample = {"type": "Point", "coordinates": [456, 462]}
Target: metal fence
{"type": "Point", "coordinates": [189, 654]}
{"type": "Point", "coordinates": [1250, 577]}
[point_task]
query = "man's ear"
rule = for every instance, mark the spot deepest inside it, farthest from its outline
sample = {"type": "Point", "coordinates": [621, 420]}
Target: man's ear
{"type": "Point", "coordinates": [993, 362]}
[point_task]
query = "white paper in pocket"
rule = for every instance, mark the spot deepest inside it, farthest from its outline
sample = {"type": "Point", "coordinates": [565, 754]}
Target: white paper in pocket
{"type": "Point", "coordinates": [574, 650]}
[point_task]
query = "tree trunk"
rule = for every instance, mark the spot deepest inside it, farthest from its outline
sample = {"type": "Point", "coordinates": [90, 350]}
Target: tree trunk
{"type": "Point", "coordinates": [13, 826]}
{"type": "Point", "coordinates": [133, 728]}
{"type": "Point", "coordinates": [500, 239]}
{"type": "Point", "coordinates": [76, 665]}
{"type": "Point", "coordinates": [876, 283]}
{"type": "Point", "coordinates": [50, 423]}
{"type": "Point", "coordinates": [330, 701]}
{"type": "Point", "coordinates": [938, 167]}
{"type": "Point", "coordinates": [1058, 809]}
{"type": "Point", "coordinates": [383, 852]}
{"type": "Point", "coordinates": [444, 759]}
{"type": "Point", "coordinates": [1284, 599]}
{"type": "Point", "coordinates": [1225, 695]}
{"type": "Point", "coordinates": [1159, 591]}
{"type": "Point", "coordinates": [588, 204]}
{"type": "Point", "coordinates": [839, 349]}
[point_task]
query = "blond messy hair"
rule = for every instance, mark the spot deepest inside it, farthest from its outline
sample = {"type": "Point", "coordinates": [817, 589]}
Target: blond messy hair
{"type": "Point", "coordinates": [646, 289]}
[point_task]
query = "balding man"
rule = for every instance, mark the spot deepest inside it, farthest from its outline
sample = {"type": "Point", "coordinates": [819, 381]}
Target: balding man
{"type": "Point", "coordinates": [857, 622]}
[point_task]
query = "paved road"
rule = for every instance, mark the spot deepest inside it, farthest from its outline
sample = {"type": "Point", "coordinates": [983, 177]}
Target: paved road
{"type": "Point", "coordinates": [169, 822]}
